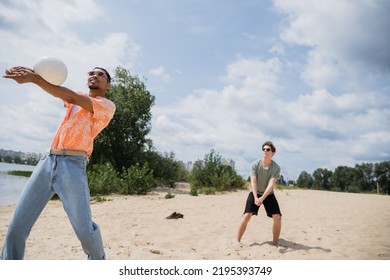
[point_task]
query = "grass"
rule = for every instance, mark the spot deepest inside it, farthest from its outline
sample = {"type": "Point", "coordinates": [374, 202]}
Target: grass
{"type": "Point", "coordinates": [20, 173]}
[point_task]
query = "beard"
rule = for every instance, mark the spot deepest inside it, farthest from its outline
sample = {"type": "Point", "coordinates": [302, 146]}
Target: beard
{"type": "Point", "coordinates": [93, 86]}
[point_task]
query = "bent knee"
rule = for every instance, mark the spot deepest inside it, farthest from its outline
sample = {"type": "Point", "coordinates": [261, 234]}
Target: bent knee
{"type": "Point", "coordinates": [277, 217]}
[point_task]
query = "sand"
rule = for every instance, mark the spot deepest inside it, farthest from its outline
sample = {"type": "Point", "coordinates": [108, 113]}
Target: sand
{"type": "Point", "coordinates": [316, 225]}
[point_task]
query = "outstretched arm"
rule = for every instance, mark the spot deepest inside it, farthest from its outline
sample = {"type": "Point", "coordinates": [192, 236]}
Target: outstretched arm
{"type": "Point", "coordinates": [26, 75]}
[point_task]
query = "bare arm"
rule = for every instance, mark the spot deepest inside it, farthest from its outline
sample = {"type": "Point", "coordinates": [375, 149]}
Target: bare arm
{"type": "Point", "coordinates": [269, 189]}
{"type": "Point", "coordinates": [254, 186]}
{"type": "Point", "coordinates": [26, 75]}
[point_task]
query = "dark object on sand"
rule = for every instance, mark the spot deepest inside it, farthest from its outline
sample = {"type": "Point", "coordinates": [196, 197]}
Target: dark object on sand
{"type": "Point", "coordinates": [175, 215]}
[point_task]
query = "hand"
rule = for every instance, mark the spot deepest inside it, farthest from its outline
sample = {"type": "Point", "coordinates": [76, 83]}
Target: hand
{"type": "Point", "coordinates": [258, 201]}
{"type": "Point", "coordinates": [20, 74]}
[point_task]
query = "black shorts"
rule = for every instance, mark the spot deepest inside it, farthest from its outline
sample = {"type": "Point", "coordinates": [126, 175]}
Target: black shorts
{"type": "Point", "coordinates": [270, 203]}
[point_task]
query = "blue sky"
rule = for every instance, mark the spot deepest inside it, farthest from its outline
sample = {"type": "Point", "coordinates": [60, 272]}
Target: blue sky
{"type": "Point", "coordinates": [312, 76]}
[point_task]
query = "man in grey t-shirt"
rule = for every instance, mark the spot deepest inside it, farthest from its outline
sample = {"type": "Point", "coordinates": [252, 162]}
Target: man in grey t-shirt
{"type": "Point", "coordinates": [264, 175]}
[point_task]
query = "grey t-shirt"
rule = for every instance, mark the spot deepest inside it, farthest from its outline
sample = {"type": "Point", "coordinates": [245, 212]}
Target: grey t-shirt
{"type": "Point", "coordinates": [263, 175]}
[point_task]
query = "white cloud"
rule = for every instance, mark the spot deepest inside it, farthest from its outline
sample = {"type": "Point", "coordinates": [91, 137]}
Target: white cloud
{"type": "Point", "coordinates": [248, 110]}
{"type": "Point", "coordinates": [346, 38]}
{"type": "Point", "coordinates": [229, 120]}
{"type": "Point", "coordinates": [22, 123]}
{"type": "Point", "coordinates": [321, 70]}
{"type": "Point", "coordinates": [161, 73]}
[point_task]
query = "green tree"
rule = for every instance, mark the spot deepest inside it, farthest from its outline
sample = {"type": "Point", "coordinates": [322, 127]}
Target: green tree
{"type": "Point", "coordinates": [8, 159]}
{"type": "Point", "coordinates": [364, 177]}
{"type": "Point", "coordinates": [291, 183]}
{"type": "Point", "coordinates": [322, 179]}
{"type": "Point", "coordinates": [122, 142]}
{"type": "Point", "coordinates": [18, 160]}
{"type": "Point", "coordinates": [281, 181]}
{"type": "Point", "coordinates": [382, 174]}
{"type": "Point", "coordinates": [166, 170]}
{"type": "Point", "coordinates": [342, 178]}
{"type": "Point", "coordinates": [305, 180]}
{"type": "Point", "coordinates": [122, 151]}
{"type": "Point", "coordinates": [31, 161]}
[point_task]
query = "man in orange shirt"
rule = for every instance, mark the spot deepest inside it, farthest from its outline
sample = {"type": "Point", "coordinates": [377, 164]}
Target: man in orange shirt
{"type": "Point", "coordinates": [63, 169]}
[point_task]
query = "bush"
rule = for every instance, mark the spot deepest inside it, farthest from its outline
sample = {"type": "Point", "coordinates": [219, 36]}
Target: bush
{"type": "Point", "coordinates": [166, 170]}
{"type": "Point", "coordinates": [137, 180]}
{"type": "Point", "coordinates": [103, 179]}
{"type": "Point", "coordinates": [213, 175]}
{"type": "Point", "coordinates": [169, 196]}
{"type": "Point", "coordinates": [194, 191]}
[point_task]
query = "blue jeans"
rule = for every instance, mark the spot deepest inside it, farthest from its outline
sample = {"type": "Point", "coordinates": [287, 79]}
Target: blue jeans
{"type": "Point", "coordinates": [66, 176]}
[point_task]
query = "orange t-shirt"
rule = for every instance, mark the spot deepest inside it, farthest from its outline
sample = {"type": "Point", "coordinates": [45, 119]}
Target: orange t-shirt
{"type": "Point", "coordinates": [79, 127]}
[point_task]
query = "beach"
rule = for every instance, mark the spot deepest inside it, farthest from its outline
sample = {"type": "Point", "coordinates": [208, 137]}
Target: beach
{"type": "Point", "coordinates": [316, 225]}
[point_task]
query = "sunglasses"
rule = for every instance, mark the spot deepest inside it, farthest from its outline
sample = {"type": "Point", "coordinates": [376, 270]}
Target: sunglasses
{"type": "Point", "coordinates": [266, 149]}
{"type": "Point", "coordinates": [98, 73]}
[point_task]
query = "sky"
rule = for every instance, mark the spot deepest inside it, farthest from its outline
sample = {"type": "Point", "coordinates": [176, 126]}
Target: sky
{"type": "Point", "coordinates": [311, 76]}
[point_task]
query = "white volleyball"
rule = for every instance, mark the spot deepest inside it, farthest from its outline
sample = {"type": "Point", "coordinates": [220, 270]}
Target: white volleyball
{"type": "Point", "coordinates": [52, 69]}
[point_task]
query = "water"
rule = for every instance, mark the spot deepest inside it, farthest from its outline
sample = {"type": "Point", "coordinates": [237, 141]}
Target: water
{"type": "Point", "coordinates": [11, 186]}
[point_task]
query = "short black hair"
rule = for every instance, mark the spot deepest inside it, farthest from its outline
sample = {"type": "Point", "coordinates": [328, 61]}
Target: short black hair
{"type": "Point", "coordinates": [105, 71]}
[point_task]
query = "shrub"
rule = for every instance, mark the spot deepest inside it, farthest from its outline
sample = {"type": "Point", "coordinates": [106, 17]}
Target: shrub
{"type": "Point", "coordinates": [169, 196]}
{"type": "Point", "coordinates": [103, 179]}
{"type": "Point", "coordinates": [194, 191]}
{"type": "Point", "coordinates": [212, 175]}
{"type": "Point", "coordinates": [137, 179]}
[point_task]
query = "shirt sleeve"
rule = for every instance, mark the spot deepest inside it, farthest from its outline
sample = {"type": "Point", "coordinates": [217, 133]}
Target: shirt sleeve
{"type": "Point", "coordinates": [103, 109]}
{"type": "Point", "coordinates": [253, 170]}
{"type": "Point", "coordinates": [276, 173]}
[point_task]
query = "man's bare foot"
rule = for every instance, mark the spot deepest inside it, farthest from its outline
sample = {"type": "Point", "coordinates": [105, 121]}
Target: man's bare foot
{"type": "Point", "coordinates": [276, 243]}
